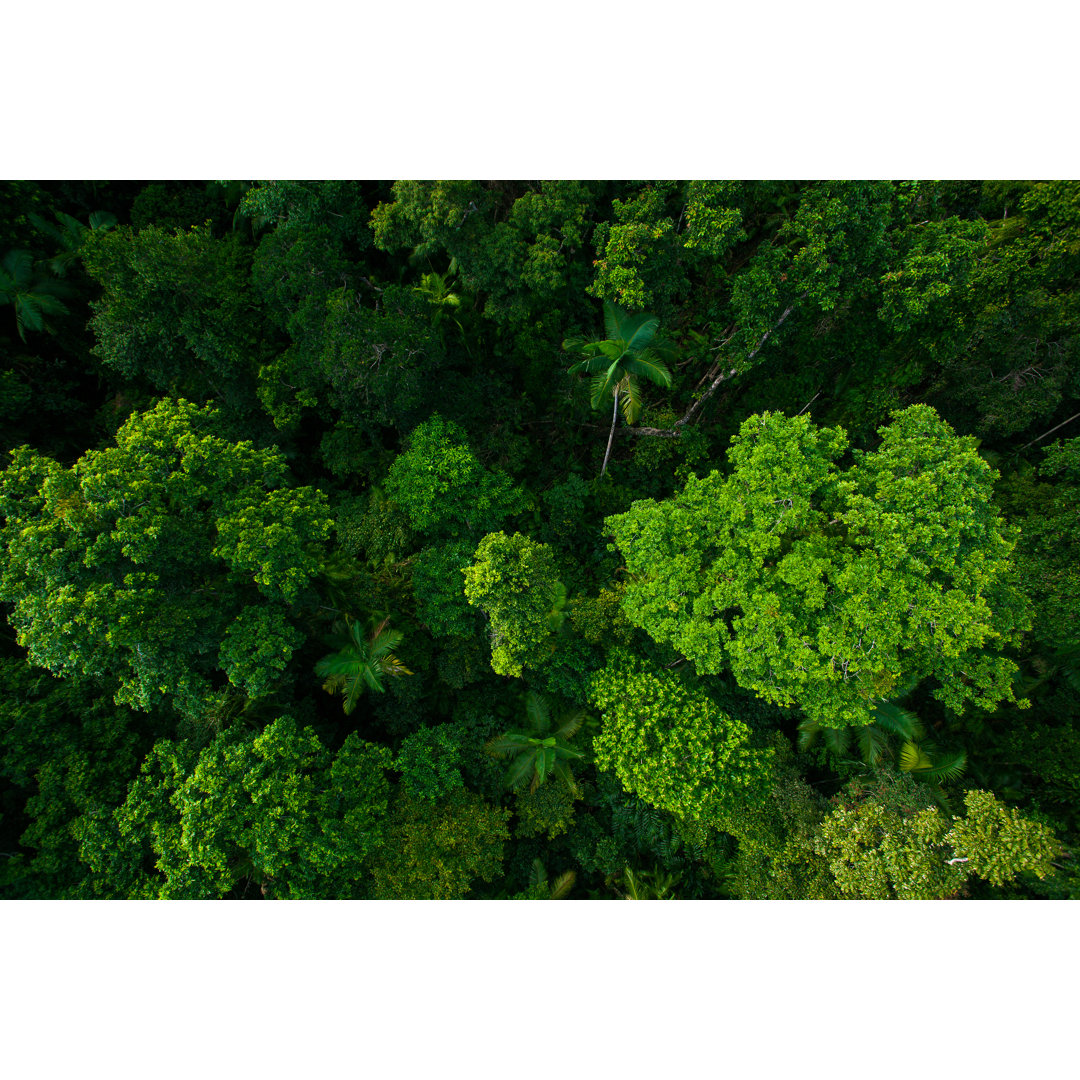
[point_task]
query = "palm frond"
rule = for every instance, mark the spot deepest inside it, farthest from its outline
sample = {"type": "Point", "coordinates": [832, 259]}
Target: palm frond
{"type": "Point", "coordinates": [521, 769]}
{"type": "Point", "coordinates": [538, 711]}
{"type": "Point", "coordinates": [836, 740]}
{"type": "Point", "coordinates": [570, 724]}
{"type": "Point", "coordinates": [603, 385]}
{"type": "Point", "coordinates": [561, 886]}
{"type": "Point", "coordinates": [809, 730]}
{"type": "Point", "coordinates": [895, 720]}
{"type": "Point", "coordinates": [648, 366]}
{"type": "Point", "coordinates": [537, 873]}
{"type": "Point", "coordinates": [945, 769]}
{"type": "Point", "coordinates": [102, 219]}
{"type": "Point", "coordinates": [561, 770]}
{"type": "Point", "coordinates": [512, 742]}
{"type": "Point", "coordinates": [613, 317]}
{"type": "Point", "coordinates": [873, 744]}
{"type": "Point", "coordinates": [19, 267]}
{"type": "Point", "coordinates": [630, 403]}
{"type": "Point", "coordinates": [638, 331]}
{"type": "Point", "coordinates": [912, 757]}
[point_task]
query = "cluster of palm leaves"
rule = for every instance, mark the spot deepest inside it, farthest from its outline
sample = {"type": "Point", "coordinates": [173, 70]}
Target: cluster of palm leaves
{"type": "Point", "coordinates": [36, 295]}
{"type": "Point", "coordinates": [362, 661]}
{"type": "Point", "coordinates": [544, 749]}
{"type": "Point", "coordinates": [630, 352]}
{"type": "Point", "coordinates": [559, 889]}
{"type": "Point", "coordinates": [918, 754]}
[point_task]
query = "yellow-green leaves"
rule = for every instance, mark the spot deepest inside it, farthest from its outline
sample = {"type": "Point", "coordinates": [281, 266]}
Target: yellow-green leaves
{"type": "Point", "coordinates": [513, 580]}
{"type": "Point", "coordinates": [823, 587]}
{"type": "Point", "coordinates": [155, 559]}
{"type": "Point", "coordinates": [671, 745]}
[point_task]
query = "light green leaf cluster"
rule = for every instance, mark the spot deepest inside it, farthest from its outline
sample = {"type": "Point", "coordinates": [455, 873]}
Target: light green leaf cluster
{"type": "Point", "coordinates": [514, 581]}
{"type": "Point", "coordinates": [671, 746]}
{"type": "Point", "coordinates": [999, 842]}
{"type": "Point", "coordinates": [137, 561]}
{"type": "Point", "coordinates": [888, 846]}
{"type": "Point", "coordinates": [275, 807]}
{"type": "Point", "coordinates": [443, 488]}
{"type": "Point", "coordinates": [825, 588]}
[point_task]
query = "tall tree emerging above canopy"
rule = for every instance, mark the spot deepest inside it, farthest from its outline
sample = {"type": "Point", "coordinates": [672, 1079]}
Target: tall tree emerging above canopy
{"type": "Point", "coordinates": [169, 561]}
{"type": "Point", "coordinates": [823, 587]}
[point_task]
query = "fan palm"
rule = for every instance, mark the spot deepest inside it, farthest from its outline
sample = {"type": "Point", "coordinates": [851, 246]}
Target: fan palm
{"type": "Point", "coordinates": [34, 296]}
{"type": "Point", "coordinates": [540, 752]}
{"type": "Point", "coordinates": [918, 755]}
{"type": "Point", "coordinates": [631, 351]}
{"type": "Point", "coordinates": [361, 662]}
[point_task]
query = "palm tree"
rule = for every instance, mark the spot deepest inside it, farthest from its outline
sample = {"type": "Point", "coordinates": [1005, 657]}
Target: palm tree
{"type": "Point", "coordinates": [918, 755]}
{"type": "Point", "coordinates": [69, 234]}
{"type": "Point", "coordinates": [631, 351]}
{"type": "Point", "coordinates": [34, 296]}
{"type": "Point", "coordinates": [559, 889]}
{"type": "Point", "coordinates": [540, 752]}
{"type": "Point", "coordinates": [361, 662]}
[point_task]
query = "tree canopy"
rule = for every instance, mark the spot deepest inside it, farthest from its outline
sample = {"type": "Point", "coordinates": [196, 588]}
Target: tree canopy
{"type": "Point", "coordinates": [328, 568]}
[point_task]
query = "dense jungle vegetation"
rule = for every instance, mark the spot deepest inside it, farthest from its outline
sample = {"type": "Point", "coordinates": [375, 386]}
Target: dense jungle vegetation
{"type": "Point", "coordinates": [540, 540]}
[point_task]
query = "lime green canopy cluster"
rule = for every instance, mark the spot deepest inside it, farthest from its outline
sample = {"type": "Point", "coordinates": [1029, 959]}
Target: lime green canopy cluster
{"type": "Point", "coordinates": [159, 561]}
{"type": "Point", "coordinates": [275, 807]}
{"type": "Point", "coordinates": [824, 587]}
{"type": "Point", "coordinates": [514, 580]}
{"type": "Point", "coordinates": [671, 746]}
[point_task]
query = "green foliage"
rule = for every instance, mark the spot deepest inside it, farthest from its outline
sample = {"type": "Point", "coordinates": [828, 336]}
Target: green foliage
{"type": "Point", "coordinates": [544, 749]}
{"type": "Point", "coordinates": [670, 745]}
{"type": "Point", "coordinates": [274, 809]}
{"type": "Point", "coordinates": [34, 295]}
{"type": "Point", "coordinates": [826, 582]}
{"type": "Point", "coordinates": [513, 581]}
{"type": "Point", "coordinates": [428, 763]}
{"type": "Point", "coordinates": [547, 810]}
{"type": "Point", "coordinates": [890, 842]}
{"type": "Point", "coordinates": [361, 661]}
{"type": "Point", "coordinates": [176, 310]}
{"type": "Point", "coordinates": [639, 243]}
{"type": "Point", "coordinates": [439, 588]}
{"type": "Point", "coordinates": [72, 751]}
{"type": "Point", "coordinates": [444, 489]}
{"type": "Point", "coordinates": [256, 650]}
{"type": "Point", "coordinates": [150, 559]}
{"type": "Point", "coordinates": [825, 588]}
{"type": "Point", "coordinates": [436, 852]}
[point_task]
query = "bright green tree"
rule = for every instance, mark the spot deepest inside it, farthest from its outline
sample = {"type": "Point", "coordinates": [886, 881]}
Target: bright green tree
{"type": "Point", "coordinates": [172, 561]}
{"type": "Point", "coordinates": [888, 841]}
{"type": "Point", "coordinates": [670, 745]}
{"type": "Point", "coordinates": [442, 487]}
{"type": "Point", "coordinates": [274, 811]}
{"type": "Point", "coordinates": [824, 587]}
{"type": "Point", "coordinates": [513, 580]}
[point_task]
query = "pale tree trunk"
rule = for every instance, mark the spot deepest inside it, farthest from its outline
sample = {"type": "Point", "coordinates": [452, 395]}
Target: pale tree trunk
{"type": "Point", "coordinates": [695, 408]}
{"type": "Point", "coordinates": [611, 435]}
